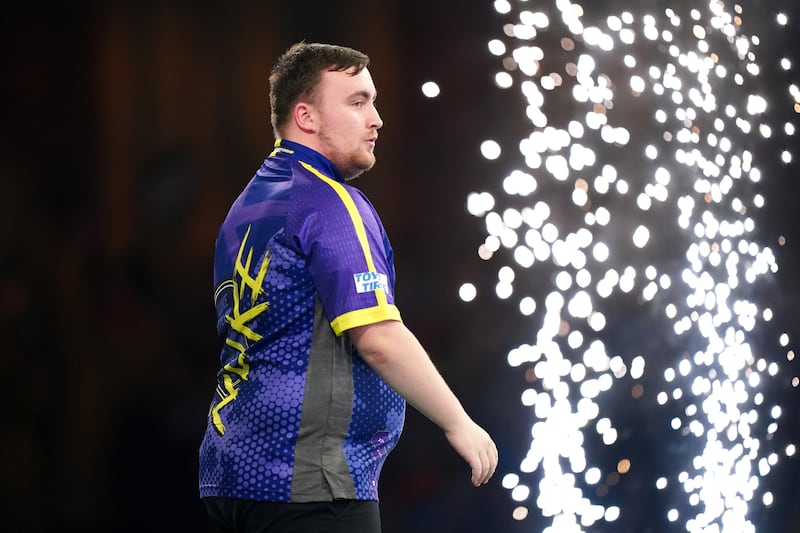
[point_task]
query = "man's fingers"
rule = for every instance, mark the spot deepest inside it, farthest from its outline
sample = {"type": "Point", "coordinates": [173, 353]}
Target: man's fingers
{"type": "Point", "coordinates": [484, 467]}
{"type": "Point", "coordinates": [478, 471]}
{"type": "Point", "coordinates": [475, 466]}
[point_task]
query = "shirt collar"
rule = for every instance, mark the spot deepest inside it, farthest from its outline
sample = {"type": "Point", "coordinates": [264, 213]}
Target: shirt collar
{"type": "Point", "coordinates": [307, 155]}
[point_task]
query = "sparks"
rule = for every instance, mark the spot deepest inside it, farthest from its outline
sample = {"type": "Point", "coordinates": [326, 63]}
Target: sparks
{"type": "Point", "coordinates": [638, 183]}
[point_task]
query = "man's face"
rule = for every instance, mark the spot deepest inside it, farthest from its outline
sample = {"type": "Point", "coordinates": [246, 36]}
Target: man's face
{"type": "Point", "coordinates": [348, 120]}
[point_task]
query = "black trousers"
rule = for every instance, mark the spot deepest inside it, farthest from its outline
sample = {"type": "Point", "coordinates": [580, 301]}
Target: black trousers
{"type": "Point", "coordinates": [338, 516]}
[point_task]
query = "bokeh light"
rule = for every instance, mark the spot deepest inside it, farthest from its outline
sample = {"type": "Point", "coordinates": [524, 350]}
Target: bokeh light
{"type": "Point", "coordinates": [431, 89]}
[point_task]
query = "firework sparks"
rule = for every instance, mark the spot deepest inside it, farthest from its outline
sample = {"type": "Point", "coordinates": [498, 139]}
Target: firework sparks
{"type": "Point", "coordinates": [639, 179]}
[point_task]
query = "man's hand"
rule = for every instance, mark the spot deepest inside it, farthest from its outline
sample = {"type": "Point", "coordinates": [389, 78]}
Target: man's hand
{"type": "Point", "coordinates": [472, 443]}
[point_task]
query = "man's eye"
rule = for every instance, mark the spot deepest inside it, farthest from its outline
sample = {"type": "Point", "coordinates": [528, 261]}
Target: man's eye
{"type": "Point", "coordinates": [358, 103]}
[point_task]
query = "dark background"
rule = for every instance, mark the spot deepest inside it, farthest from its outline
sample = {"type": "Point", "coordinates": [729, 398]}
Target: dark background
{"type": "Point", "coordinates": [127, 130]}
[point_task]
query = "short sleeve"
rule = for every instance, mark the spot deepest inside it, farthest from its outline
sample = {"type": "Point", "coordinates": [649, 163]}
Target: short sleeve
{"type": "Point", "coordinates": [348, 254]}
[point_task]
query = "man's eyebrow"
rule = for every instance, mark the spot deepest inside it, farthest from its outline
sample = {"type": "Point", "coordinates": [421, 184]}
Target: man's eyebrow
{"type": "Point", "coordinates": [365, 94]}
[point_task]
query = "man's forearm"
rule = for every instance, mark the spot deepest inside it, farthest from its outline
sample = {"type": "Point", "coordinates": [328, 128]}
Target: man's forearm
{"type": "Point", "coordinates": [398, 357]}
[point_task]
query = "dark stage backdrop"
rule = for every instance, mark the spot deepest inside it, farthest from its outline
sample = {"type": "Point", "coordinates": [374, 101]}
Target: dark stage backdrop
{"type": "Point", "coordinates": [127, 130]}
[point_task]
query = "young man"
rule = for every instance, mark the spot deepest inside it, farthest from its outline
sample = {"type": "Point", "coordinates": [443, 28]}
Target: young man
{"type": "Point", "coordinates": [316, 364]}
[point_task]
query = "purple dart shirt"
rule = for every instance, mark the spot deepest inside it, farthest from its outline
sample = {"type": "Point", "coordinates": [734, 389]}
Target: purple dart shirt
{"type": "Point", "coordinates": [298, 416]}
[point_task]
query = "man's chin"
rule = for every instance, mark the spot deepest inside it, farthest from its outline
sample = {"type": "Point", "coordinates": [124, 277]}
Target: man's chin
{"type": "Point", "coordinates": [356, 171]}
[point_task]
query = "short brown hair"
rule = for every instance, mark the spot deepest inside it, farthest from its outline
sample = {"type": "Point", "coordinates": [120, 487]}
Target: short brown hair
{"type": "Point", "coordinates": [297, 73]}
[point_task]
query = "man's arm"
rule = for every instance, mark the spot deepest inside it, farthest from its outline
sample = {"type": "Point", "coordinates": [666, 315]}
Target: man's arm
{"type": "Point", "coordinates": [397, 356]}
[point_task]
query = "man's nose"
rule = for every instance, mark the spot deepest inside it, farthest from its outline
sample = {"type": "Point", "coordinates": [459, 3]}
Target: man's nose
{"type": "Point", "coordinates": [375, 121]}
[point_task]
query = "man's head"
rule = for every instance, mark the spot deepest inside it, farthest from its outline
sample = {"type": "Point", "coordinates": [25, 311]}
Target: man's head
{"type": "Point", "coordinates": [322, 95]}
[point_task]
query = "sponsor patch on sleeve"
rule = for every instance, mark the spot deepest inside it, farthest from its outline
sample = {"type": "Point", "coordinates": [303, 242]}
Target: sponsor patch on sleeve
{"type": "Point", "coordinates": [370, 282]}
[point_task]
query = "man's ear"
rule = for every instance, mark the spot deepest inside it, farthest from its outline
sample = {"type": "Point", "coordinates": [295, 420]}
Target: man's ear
{"type": "Point", "coordinates": [305, 117]}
